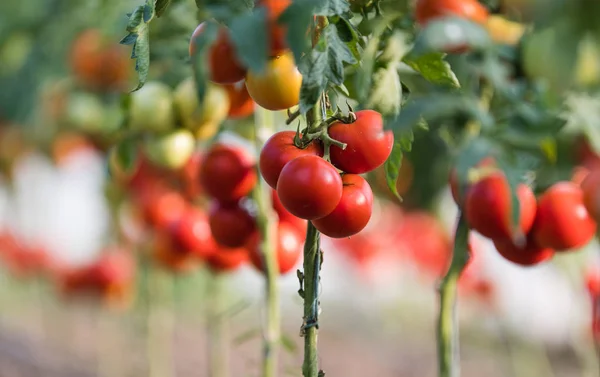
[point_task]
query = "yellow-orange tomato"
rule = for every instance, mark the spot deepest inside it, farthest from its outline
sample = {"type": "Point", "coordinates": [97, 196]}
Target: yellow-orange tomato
{"type": "Point", "coordinates": [278, 87]}
{"type": "Point", "coordinates": [241, 104]}
{"type": "Point", "coordinates": [504, 31]}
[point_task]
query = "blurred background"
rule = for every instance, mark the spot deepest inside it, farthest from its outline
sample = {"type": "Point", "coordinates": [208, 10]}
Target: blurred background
{"type": "Point", "coordinates": [89, 288]}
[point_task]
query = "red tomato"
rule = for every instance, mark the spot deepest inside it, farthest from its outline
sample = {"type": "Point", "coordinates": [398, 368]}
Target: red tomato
{"type": "Point", "coordinates": [309, 187]}
{"type": "Point", "coordinates": [278, 151]}
{"type": "Point", "coordinates": [290, 244]}
{"type": "Point", "coordinates": [427, 10]}
{"type": "Point", "coordinates": [488, 207]}
{"type": "Point", "coordinates": [459, 195]}
{"type": "Point", "coordinates": [591, 193]}
{"type": "Point", "coordinates": [193, 233]}
{"type": "Point", "coordinates": [285, 216]}
{"type": "Point", "coordinates": [562, 222]}
{"type": "Point", "coordinates": [172, 255]}
{"type": "Point", "coordinates": [227, 173]}
{"type": "Point", "coordinates": [368, 146]}
{"type": "Point", "coordinates": [224, 65]}
{"type": "Point", "coordinates": [115, 267]}
{"type": "Point", "coordinates": [592, 281]}
{"type": "Point", "coordinates": [276, 31]}
{"type": "Point", "coordinates": [190, 176]}
{"type": "Point", "coordinates": [230, 224]}
{"type": "Point", "coordinates": [165, 209]}
{"type": "Point", "coordinates": [352, 213]}
{"type": "Point", "coordinates": [528, 255]}
{"type": "Point", "coordinates": [227, 260]}
{"type": "Point", "coordinates": [241, 104]}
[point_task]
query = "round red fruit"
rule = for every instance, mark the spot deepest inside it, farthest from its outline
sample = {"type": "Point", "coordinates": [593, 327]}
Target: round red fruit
{"type": "Point", "coordinates": [278, 151]}
{"type": "Point", "coordinates": [231, 225]}
{"type": "Point", "coordinates": [489, 208]}
{"type": "Point", "coordinates": [309, 187]}
{"type": "Point", "coordinates": [165, 209]}
{"type": "Point", "coordinates": [528, 255]}
{"type": "Point", "coordinates": [193, 233]}
{"type": "Point", "coordinates": [352, 213]}
{"type": "Point", "coordinates": [562, 221]}
{"type": "Point", "coordinates": [459, 193]}
{"type": "Point", "coordinates": [227, 173]}
{"type": "Point", "coordinates": [227, 260]}
{"type": "Point", "coordinates": [427, 10]}
{"type": "Point", "coordinates": [368, 145]}
{"type": "Point", "coordinates": [591, 193]}
{"type": "Point", "coordinates": [241, 104]}
{"type": "Point", "coordinates": [289, 248]}
{"type": "Point", "coordinates": [285, 216]}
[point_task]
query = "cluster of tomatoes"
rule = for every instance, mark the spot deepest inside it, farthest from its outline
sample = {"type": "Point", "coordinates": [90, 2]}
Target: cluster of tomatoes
{"type": "Point", "coordinates": [311, 188]}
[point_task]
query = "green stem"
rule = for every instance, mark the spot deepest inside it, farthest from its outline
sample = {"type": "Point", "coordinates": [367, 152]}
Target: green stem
{"type": "Point", "coordinates": [447, 330]}
{"type": "Point", "coordinates": [267, 223]}
{"type": "Point", "coordinates": [159, 323]}
{"type": "Point", "coordinates": [216, 329]}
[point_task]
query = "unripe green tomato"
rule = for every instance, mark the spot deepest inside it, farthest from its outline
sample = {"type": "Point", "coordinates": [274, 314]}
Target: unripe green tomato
{"type": "Point", "coordinates": [151, 108]}
{"type": "Point", "coordinates": [203, 121]}
{"type": "Point", "coordinates": [170, 150]}
{"type": "Point", "coordinates": [85, 113]}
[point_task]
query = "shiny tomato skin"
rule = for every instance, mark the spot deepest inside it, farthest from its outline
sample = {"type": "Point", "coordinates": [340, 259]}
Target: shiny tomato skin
{"type": "Point", "coordinates": [227, 260]}
{"type": "Point", "coordinates": [352, 213]}
{"type": "Point", "coordinates": [488, 207]}
{"type": "Point", "coordinates": [277, 32]}
{"type": "Point", "coordinates": [193, 233]}
{"type": "Point", "coordinates": [230, 224]}
{"type": "Point", "coordinates": [241, 104]}
{"type": "Point", "coordinates": [459, 195]}
{"type": "Point", "coordinates": [427, 10]}
{"type": "Point", "coordinates": [227, 173]}
{"type": "Point", "coordinates": [285, 216]}
{"type": "Point", "coordinates": [290, 244]}
{"type": "Point", "coordinates": [528, 255]}
{"type": "Point", "coordinates": [368, 145]}
{"type": "Point", "coordinates": [278, 87]}
{"type": "Point", "coordinates": [225, 68]}
{"type": "Point", "coordinates": [309, 187]}
{"type": "Point", "coordinates": [165, 209]}
{"type": "Point", "coordinates": [591, 193]}
{"type": "Point", "coordinates": [562, 221]}
{"type": "Point", "coordinates": [278, 151]}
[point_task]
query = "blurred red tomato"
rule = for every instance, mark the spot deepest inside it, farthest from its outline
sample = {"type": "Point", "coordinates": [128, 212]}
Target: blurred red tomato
{"type": "Point", "coordinates": [288, 250]}
{"type": "Point", "coordinates": [193, 233]}
{"type": "Point", "coordinates": [165, 209]}
{"type": "Point", "coordinates": [230, 224]}
{"type": "Point", "coordinates": [227, 260]}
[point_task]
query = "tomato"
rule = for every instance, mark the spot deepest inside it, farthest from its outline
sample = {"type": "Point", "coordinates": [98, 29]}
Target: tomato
{"type": "Point", "coordinates": [231, 225]}
{"type": "Point", "coordinates": [85, 113]}
{"type": "Point", "coordinates": [285, 216]}
{"type": "Point", "coordinates": [190, 176]}
{"type": "Point", "coordinates": [165, 209]}
{"type": "Point", "coordinates": [170, 150]}
{"type": "Point", "coordinates": [309, 187]}
{"type": "Point", "coordinates": [562, 222]}
{"type": "Point", "coordinates": [591, 193]}
{"type": "Point", "coordinates": [193, 233]}
{"type": "Point", "coordinates": [97, 64]}
{"type": "Point", "coordinates": [352, 213]}
{"type": "Point", "coordinates": [151, 108]}
{"type": "Point", "coordinates": [368, 145]}
{"type": "Point", "coordinates": [278, 87]}
{"type": "Point", "coordinates": [504, 31]}
{"type": "Point", "coordinates": [225, 68]}
{"type": "Point", "coordinates": [114, 267]}
{"type": "Point", "coordinates": [592, 281]}
{"type": "Point", "coordinates": [278, 151]}
{"type": "Point", "coordinates": [277, 32]}
{"type": "Point", "coordinates": [172, 255]}
{"type": "Point", "coordinates": [241, 104]}
{"type": "Point", "coordinates": [227, 260]}
{"type": "Point", "coordinates": [427, 10]}
{"type": "Point", "coordinates": [228, 173]}
{"type": "Point", "coordinates": [485, 166]}
{"type": "Point", "coordinates": [488, 207]}
{"type": "Point", "coordinates": [290, 245]}
{"type": "Point", "coordinates": [528, 255]}
{"type": "Point", "coordinates": [203, 119]}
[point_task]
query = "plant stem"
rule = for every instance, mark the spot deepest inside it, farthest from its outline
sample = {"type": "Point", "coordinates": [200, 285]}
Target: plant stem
{"type": "Point", "coordinates": [159, 323]}
{"type": "Point", "coordinates": [267, 223]}
{"type": "Point", "coordinates": [447, 326]}
{"type": "Point", "coordinates": [216, 330]}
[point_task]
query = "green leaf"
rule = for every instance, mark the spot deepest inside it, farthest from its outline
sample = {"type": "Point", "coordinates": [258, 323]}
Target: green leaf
{"type": "Point", "coordinates": [161, 6]}
{"type": "Point", "coordinates": [139, 36]}
{"type": "Point", "coordinates": [349, 35]}
{"type": "Point", "coordinates": [393, 164]}
{"type": "Point", "coordinates": [450, 33]}
{"type": "Point", "coordinates": [288, 343]}
{"type": "Point", "coordinates": [514, 176]}
{"type": "Point", "coordinates": [331, 7]}
{"type": "Point", "coordinates": [249, 34]}
{"type": "Point", "coordinates": [386, 93]}
{"type": "Point", "coordinates": [433, 68]}
{"type": "Point", "coordinates": [200, 58]}
{"type": "Point", "coordinates": [297, 18]}
{"type": "Point", "coordinates": [126, 154]}
{"type": "Point", "coordinates": [470, 156]}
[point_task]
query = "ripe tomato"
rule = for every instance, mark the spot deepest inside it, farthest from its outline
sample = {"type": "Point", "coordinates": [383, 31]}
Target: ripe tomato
{"type": "Point", "coordinates": [227, 260]}
{"type": "Point", "coordinates": [488, 207]}
{"type": "Point", "coordinates": [562, 222]}
{"type": "Point", "coordinates": [591, 193]}
{"type": "Point", "coordinates": [97, 64]}
{"type": "Point", "coordinates": [352, 213]}
{"type": "Point", "coordinates": [171, 254]}
{"type": "Point", "coordinates": [227, 173]}
{"type": "Point", "coordinates": [504, 31]}
{"type": "Point", "coordinates": [278, 87]}
{"type": "Point", "coordinates": [225, 68]}
{"type": "Point", "coordinates": [290, 244]}
{"type": "Point", "coordinates": [190, 176]}
{"type": "Point", "coordinates": [459, 195]}
{"type": "Point", "coordinates": [528, 255]}
{"type": "Point", "coordinates": [241, 104]}
{"type": "Point", "coordinates": [277, 32]}
{"type": "Point", "coordinates": [151, 108]}
{"type": "Point", "coordinates": [165, 209]}
{"type": "Point", "coordinates": [427, 10]}
{"type": "Point", "coordinates": [592, 281]}
{"type": "Point", "coordinates": [278, 151]}
{"type": "Point", "coordinates": [193, 233]}
{"type": "Point", "coordinates": [309, 187]}
{"type": "Point", "coordinates": [202, 119]}
{"type": "Point", "coordinates": [231, 225]}
{"type": "Point", "coordinates": [285, 216]}
{"type": "Point", "coordinates": [170, 150]}
{"type": "Point", "coordinates": [368, 145]}
{"type": "Point", "coordinates": [115, 267]}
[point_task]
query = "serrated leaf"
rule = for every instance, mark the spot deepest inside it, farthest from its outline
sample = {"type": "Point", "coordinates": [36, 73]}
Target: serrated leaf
{"type": "Point", "coordinates": [129, 39]}
{"type": "Point", "coordinates": [349, 35]}
{"type": "Point", "coordinates": [433, 68]}
{"type": "Point", "coordinates": [249, 34]}
{"type": "Point", "coordinates": [450, 33]}
{"type": "Point", "coordinates": [161, 6]}
{"type": "Point", "coordinates": [386, 93]}
{"type": "Point", "coordinates": [148, 11]}
{"type": "Point", "coordinates": [297, 18]}
{"type": "Point", "coordinates": [139, 33]}
{"type": "Point", "coordinates": [288, 344]}
{"type": "Point", "coordinates": [199, 59]}
{"type": "Point", "coordinates": [393, 164]}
